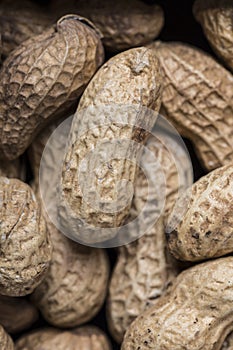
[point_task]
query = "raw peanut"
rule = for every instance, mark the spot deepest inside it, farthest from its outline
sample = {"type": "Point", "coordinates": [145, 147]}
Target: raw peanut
{"type": "Point", "coordinates": [84, 338]}
{"type": "Point", "coordinates": [13, 169]}
{"type": "Point", "coordinates": [206, 229]}
{"type": "Point", "coordinates": [215, 17]}
{"type": "Point", "coordinates": [228, 343]}
{"type": "Point", "coordinates": [195, 313]}
{"type": "Point", "coordinates": [124, 24]}
{"type": "Point", "coordinates": [120, 103]}
{"type": "Point", "coordinates": [16, 314]}
{"type": "Point", "coordinates": [198, 100]}
{"type": "Point", "coordinates": [24, 244]}
{"type": "Point", "coordinates": [75, 286]}
{"type": "Point", "coordinates": [6, 342]}
{"type": "Point", "coordinates": [19, 20]}
{"type": "Point", "coordinates": [42, 79]}
{"type": "Point", "coordinates": [144, 268]}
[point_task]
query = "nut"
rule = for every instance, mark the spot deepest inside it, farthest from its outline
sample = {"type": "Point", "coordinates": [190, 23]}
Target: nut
{"type": "Point", "coordinates": [42, 79]}
{"type": "Point", "coordinates": [75, 286]}
{"type": "Point", "coordinates": [16, 314]}
{"type": "Point", "coordinates": [124, 24]}
{"type": "Point", "coordinates": [206, 228]}
{"type": "Point", "coordinates": [84, 338]}
{"type": "Point", "coordinates": [195, 313]}
{"type": "Point", "coordinates": [114, 111]}
{"type": "Point", "coordinates": [6, 342]}
{"type": "Point", "coordinates": [19, 21]}
{"type": "Point", "coordinates": [198, 100]}
{"type": "Point", "coordinates": [215, 17]}
{"type": "Point", "coordinates": [24, 243]}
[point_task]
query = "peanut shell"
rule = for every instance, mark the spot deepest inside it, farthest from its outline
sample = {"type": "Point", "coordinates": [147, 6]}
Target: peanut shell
{"type": "Point", "coordinates": [124, 24]}
{"type": "Point", "coordinates": [43, 78]}
{"type": "Point", "coordinates": [114, 115]}
{"type": "Point", "coordinates": [215, 17]}
{"type": "Point", "coordinates": [24, 243]}
{"type": "Point", "coordinates": [6, 342]}
{"type": "Point", "coordinates": [84, 338]}
{"type": "Point", "coordinates": [198, 100]}
{"type": "Point", "coordinates": [206, 228]}
{"type": "Point", "coordinates": [195, 313]}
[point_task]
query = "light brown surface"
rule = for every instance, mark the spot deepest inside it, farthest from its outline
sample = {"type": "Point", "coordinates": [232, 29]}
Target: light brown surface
{"type": "Point", "coordinates": [6, 342]}
{"type": "Point", "coordinates": [198, 100]}
{"type": "Point", "coordinates": [124, 24]}
{"type": "Point", "coordinates": [120, 101]}
{"type": "Point", "coordinates": [19, 20]}
{"type": "Point", "coordinates": [84, 338]}
{"type": "Point", "coordinates": [43, 78]}
{"type": "Point", "coordinates": [207, 226]}
{"type": "Point", "coordinates": [144, 268]}
{"type": "Point", "coordinates": [75, 286]}
{"type": "Point", "coordinates": [16, 314]}
{"type": "Point", "coordinates": [195, 314]}
{"type": "Point", "coordinates": [24, 243]}
{"type": "Point", "coordinates": [215, 17]}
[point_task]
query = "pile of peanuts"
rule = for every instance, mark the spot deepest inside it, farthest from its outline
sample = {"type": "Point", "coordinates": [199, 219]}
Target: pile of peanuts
{"type": "Point", "coordinates": [104, 63]}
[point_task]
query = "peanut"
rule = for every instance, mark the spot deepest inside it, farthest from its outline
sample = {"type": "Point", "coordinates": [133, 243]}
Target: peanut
{"type": "Point", "coordinates": [42, 79]}
{"type": "Point", "coordinates": [24, 243]}
{"type": "Point", "coordinates": [6, 342]}
{"type": "Point", "coordinates": [16, 314]}
{"type": "Point", "coordinates": [215, 17]}
{"type": "Point", "coordinates": [195, 313]}
{"type": "Point", "coordinates": [206, 228]}
{"type": "Point", "coordinates": [198, 100]}
{"type": "Point", "coordinates": [113, 112]}
{"type": "Point", "coordinates": [124, 24]}
{"type": "Point", "coordinates": [84, 338]}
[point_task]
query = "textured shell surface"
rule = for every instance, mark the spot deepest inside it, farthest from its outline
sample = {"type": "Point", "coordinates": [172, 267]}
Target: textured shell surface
{"type": "Point", "coordinates": [6, 343]}
{"type": "Point", "coordinates": [195, 314]}
{"type": "Point", "coordinates": [43, 78]}
{"type": "Point", "coordinates": [198, 100]}
{"type": "Point", "coordinates": [215, 17]}
{"type": "Point", "coordinates": [206, 228]}
{"type": "Point", "coordinates": [113, 118]}
{"type": "Point", "coordinates": [83, 338]}
{"type": "Point", "coordinates": [24, 242]}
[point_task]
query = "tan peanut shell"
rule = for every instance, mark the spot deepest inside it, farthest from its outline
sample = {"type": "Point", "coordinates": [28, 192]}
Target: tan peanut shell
{"type": "Point", "coordinates": [84, 338]}
{"type": "Point", "coordinates": [198, 100]}
{"type": "Point", "coordinates": [195, 313]}
{"type": "Point", "coordinates": [207, 225]}
{"type": "Point", "coordinates": [124, 24]}
{"type": "Point", "coordinates": [19, 20]}
{"type": "Point", "coordinates": [215, 17]}
{"type": "Point", "coordinates": [144, 267]}
{"type": "Point", "coordinates": [6, 343]}
{"type": "Point", "coordinates": [119, 104]}
{"type": "Point", "coordinates": [24, 243]}
{"type": "Point", "coordinates": [75, 286]}
{"type": "Point", "coordinates": [17, 314]}
{"type": "Point", "coordinates": [43, 78]}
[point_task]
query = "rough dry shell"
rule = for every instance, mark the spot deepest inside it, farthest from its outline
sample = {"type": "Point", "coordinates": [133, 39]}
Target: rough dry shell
{"type": "Point", "coordinates": [13, 169]}
{"type": "Point", "coordinates": [119, 104]}
{"type": "Point", "coordinates": [144, 268]}
{"type": "Point", "coordinates": [16, 314]}
{"type": "Point", "coordinates": [84, 338]}
{"type": "Point", "coordinates": [19, 20]}
{"type": "Point", "coordinates": [195, 314]}
{"type": "Point", "coordinates": [215, 17]}
{"type": "Point", "coordinates": [124, 24]}
{"type": "Point", "coordinates": [6, 342]}
{"type": "Point", "coordinates": [75, 286]}
{"type": "Point", "coordinates": [42, 79]}
{"type": "Point", "coordinates": [198, 99]}
{"type": "Point", "coordinates": [206, 229]}
{"type": "Point", "coordinates": [24, 243]}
